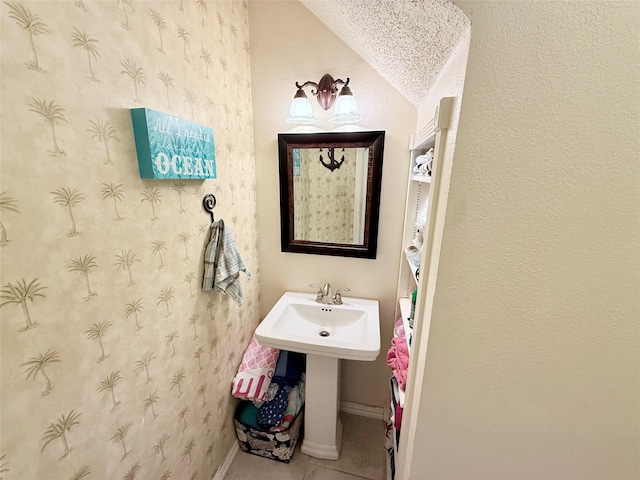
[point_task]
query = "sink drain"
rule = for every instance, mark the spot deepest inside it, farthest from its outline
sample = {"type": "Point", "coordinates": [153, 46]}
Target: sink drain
{"type": "Point", "coordinates": [324, 333]}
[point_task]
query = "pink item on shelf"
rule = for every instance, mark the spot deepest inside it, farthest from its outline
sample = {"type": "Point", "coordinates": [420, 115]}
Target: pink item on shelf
{"type": "Point", "coordinates": [398, 329]}
{"type": "Point", "coordinates": [398, 360]}
{"type": "Point", "coordinates": [398, 417]}
{"type": "Point", "coordinates": [255, 372]}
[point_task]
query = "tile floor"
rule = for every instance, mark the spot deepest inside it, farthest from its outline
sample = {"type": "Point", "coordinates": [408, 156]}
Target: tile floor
{"type": "Point", "coordinates": [362, 456]}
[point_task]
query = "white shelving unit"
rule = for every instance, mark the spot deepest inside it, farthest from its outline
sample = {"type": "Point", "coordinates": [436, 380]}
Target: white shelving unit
{"type": "Point", "coordinates": [420, 194]}
{"type": "Point", "coordinates": [421, 178]}
{"type": "Point", "coordinates": [405, 311]}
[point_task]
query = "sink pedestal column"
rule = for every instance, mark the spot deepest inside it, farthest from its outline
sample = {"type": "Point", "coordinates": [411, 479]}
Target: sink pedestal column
{"type": "Point", "coordinates": [322, 426]}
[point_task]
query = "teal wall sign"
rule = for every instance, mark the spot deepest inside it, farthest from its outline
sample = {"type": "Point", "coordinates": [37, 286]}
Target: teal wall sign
{"type": "Point", "coordinates": [296, 162]}
{"type": "Point", "coordinates": [170, 147]}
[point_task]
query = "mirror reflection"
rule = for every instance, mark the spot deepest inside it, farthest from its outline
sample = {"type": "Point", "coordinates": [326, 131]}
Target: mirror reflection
{"type": "Point", "coordinates": [330, 192]}
{"type": "Point", "coordinates": [329, 187]}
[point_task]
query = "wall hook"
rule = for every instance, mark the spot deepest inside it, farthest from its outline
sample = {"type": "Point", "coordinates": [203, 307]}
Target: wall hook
{"type": "Point", "coordinates": [209, 203]}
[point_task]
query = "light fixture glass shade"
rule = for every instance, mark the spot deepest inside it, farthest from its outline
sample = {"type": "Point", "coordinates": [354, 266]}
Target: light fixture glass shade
{"type": "Point", "coordinates": [345, 110]}
{"type": "Point", "coordinates": [300, 112]}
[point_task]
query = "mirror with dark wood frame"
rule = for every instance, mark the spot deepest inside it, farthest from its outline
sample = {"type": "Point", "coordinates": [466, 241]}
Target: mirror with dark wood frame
{"type": "Point", "coordinates": [330, 192]}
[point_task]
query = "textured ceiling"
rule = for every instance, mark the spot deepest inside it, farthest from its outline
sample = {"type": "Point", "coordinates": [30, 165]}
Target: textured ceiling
{"type": "Point", "coordinates": [406, 41]}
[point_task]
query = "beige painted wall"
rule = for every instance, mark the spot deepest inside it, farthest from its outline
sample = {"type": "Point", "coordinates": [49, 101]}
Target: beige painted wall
{"type": "Point", "coordinates": [118, 365]}
{"type": "Point", "coordinates": [449, 83]}
{"type": "Point", "coordinates": [532, 365]}
{"type": "Point", "coordinates": [289, 44]}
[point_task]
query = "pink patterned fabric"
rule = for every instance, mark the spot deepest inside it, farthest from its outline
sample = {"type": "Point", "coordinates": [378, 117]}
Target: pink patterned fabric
{"type": "Point", "coordinates": [398, 360]}
{"type": "Point", "coordinates": [398, 329]}
{"type": "Point", "coordinates": [255, 372]}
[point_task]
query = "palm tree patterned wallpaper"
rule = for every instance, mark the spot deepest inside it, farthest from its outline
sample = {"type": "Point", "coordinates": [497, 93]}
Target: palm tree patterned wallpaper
{"type": "Point", "coordinates": [115, 364]}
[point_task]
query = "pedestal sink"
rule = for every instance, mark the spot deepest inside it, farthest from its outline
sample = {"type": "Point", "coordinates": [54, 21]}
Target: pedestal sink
{"type": "Point", "coordinates": [326, 333]}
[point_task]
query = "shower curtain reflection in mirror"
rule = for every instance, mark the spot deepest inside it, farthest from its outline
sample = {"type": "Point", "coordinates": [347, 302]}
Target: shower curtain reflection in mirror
{"type": "Point", "coordinates": [329, 204]}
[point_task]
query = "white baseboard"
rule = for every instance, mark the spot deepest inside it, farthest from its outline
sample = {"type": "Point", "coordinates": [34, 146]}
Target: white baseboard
{"type": "Point", "coordinates": [221, 473]}
{"type": "Point", "coordinates": [362, 410]}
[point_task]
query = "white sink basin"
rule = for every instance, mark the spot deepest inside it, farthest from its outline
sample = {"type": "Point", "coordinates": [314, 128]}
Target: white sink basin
{"type": "Point", "coordinates": [299, 324]}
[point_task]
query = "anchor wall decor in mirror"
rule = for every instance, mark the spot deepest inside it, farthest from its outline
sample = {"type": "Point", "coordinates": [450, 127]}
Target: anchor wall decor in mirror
{"type": "Point", "coordinates": [330, 192]}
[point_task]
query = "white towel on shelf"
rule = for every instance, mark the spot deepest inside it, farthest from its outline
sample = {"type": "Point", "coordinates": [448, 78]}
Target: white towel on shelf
{"type": "Point", "coordinates": [422, 161]}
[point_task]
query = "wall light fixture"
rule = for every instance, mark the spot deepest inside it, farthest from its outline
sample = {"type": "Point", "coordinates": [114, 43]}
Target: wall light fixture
{"type": "Point", "coordinates": [345, 110]}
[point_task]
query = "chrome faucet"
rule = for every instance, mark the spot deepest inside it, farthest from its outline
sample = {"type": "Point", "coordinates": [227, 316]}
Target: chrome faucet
{"type": "Point", "coordinates": [324, 294]}
{"type": "Point", "coordinates": [337, 298]}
